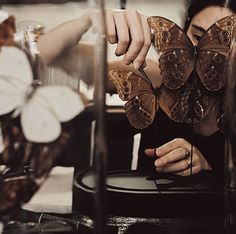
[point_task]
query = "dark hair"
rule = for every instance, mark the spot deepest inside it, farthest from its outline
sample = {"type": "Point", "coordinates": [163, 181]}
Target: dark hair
{"type": "Point", "coordinates": [195, 6]}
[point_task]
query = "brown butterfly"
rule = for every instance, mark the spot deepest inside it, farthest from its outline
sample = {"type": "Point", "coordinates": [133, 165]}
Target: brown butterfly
{"type": "Point", "coordinates": [179, 56]}
{"type": "Point", "coordinates": [142, 98]}
{"type": "Point", "coordinates": [181, 62]}
{"type": "Point", "coordinates": [183, 97]}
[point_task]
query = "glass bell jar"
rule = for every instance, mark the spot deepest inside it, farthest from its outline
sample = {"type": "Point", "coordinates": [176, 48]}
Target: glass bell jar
{"type": "Point", "coordinates": [230, 140]}
{"type": "Point", "coordinates": [53, 71]}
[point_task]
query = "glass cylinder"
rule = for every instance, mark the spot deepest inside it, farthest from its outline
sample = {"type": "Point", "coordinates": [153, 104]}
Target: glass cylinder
{"type": "Point", "coordinates": [230, 139]}
{"type": "Point", "coordinates": [64, 43]}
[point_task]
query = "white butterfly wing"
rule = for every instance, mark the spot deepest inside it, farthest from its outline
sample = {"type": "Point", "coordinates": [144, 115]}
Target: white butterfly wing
{"type": "Point", "coordinates": [3, 16]}
{"type": "Point", "coordinates": [42, 114]}
{"type": "Point", "coordinates": [38, 122]}
{"type": "Point", "coordinates": [15, 78]}
{"type": "Point", "coordinates": [15, 64]}
{"type": "Point", "coordinates": [63, 101]}
{"type": "Point", "coordinates": [10, 97]}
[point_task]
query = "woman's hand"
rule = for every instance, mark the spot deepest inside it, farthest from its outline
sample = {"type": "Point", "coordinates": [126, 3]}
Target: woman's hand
{"type": "Point", "coordinates": [174, 157]}
{"type": "Point", "coordinates": [131, 32]}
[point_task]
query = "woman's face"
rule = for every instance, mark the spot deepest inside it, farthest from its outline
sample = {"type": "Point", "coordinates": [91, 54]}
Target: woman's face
{"type": "Point", "coordinates": [204, 19]}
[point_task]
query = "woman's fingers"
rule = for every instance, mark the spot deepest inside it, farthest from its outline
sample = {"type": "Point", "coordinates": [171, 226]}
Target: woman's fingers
{"type": "Point", "coordinates": [172, 156]}
{"type": "Point", "coordinates": [131, 32]}
{"type": "Point", "coordinates": [136, 36]}
{"type": "Point", "coordinates": [188, 171]}
{"type": "Point", "coordinates": [175, 156]}
{"type": "Point", "coordinates": [140, 59]}
{"type": "Point", "coordinates": [178, 166]}
{"type": "Point", "coordinates": [171, 145]}
{"type": "Point", "coordinates": [111, 28]}
{"type": "Point", "coordinates": [168, 147]}
{"type": "Point", "coordinates": [122, 32]}
{"type": "Point", "coordinates": [173, 151]}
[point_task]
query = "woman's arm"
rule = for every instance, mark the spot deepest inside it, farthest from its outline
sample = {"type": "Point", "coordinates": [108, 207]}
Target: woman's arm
{"type": "Point", "coordinates": [63, 38]}
{"type": "Point", "coordinates": [128, 29]}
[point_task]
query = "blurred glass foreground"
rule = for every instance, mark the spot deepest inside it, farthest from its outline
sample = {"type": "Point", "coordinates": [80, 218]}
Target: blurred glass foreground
{"type": "Point", "coordinates": [230, 144]}
{"type": "Point", "coordinates": [81, 68]}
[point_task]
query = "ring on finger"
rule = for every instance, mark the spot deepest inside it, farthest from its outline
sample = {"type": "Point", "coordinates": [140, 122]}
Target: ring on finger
{"type": "Point", "coordinates": [187, 154]}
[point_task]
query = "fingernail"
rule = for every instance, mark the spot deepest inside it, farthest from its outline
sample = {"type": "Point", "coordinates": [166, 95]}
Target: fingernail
{"type": "Point", "coordinates": [118, 54]}
{"type": "Point", "coordinates": [112, 40]}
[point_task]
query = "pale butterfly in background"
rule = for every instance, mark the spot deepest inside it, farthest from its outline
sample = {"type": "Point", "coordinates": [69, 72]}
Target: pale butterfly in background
{"type": "Point", "coordinates": [41, 109]}
{"type": "Point", "coordinates": [3, 16]}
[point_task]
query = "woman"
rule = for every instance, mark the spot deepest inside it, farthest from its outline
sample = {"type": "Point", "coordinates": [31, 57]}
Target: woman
{"type": "Point", "coordinates": [131, 32]}
{"type": "Point", "coordinates": [174, 139]}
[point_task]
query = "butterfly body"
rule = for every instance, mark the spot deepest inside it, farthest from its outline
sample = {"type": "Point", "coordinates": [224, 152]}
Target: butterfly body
{"type": "Point", "coordinates": [196, 74]}
{"type": "Point", "coordinates": [214, 46]}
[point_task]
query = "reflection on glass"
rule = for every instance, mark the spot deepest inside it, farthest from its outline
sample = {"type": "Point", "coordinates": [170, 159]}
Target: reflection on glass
{"type": "Point", "coordinates": [30, 162]}
{"type": "Point", "coordinates": [230, 149]}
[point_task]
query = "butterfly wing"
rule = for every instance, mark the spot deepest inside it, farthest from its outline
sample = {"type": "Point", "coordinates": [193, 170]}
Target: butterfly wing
{"type": "Point", "coordinates": [15, 78]}
{"type": "Point", "coordinates": [213, 52]}
{"type": "Point", "coordinates": [3, 16]}
{"type": "Point", "coordinates": [48, 106]}
{"type": "Point", "coordinates": [63, 101]}
{"type": "Point", "coordinates": [141, 99]}
{"type": "Point", "coordinates": [38, 122]}
{"type": "Point", "coordinates": [141, 109]}
{"type": "Point", "coordinates": [121, 80]}
{"type": "Point", "coordinates": [176, 51]}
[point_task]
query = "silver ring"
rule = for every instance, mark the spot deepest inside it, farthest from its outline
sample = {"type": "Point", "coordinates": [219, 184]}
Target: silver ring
{"type": "Point", "coordinates": [187, 153]}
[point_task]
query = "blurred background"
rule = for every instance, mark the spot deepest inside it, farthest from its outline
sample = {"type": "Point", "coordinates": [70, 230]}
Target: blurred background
{"type": "Point", "coordinates": [50, 15]}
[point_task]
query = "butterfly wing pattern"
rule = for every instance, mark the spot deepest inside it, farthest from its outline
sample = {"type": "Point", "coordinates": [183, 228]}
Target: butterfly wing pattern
{"type": "Point", "coordinates": [176, 50]}
{"type": "Point", "coordinates": [193, 76]}
{"type": "Point", "coordinates": [213, 52]}
{"type": "Point", "coordinates": [186, 95]}
{"type": "Point", "coordinates": [141, 97]}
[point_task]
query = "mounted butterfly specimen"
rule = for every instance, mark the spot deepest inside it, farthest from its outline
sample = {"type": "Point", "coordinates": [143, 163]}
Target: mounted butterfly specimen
{"type": "Point", "coordinates": [36, 123]}
{"type": "Point", "coordinates": [141, 96]}
{"type": "Point", "coordinates": [41, 109]}
{"type": "Point", "coordinates": [193, 76]}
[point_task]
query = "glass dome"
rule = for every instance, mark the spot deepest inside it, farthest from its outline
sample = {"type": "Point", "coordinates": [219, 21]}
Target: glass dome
{"type": "Point", "coordinates": [55, 54]}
